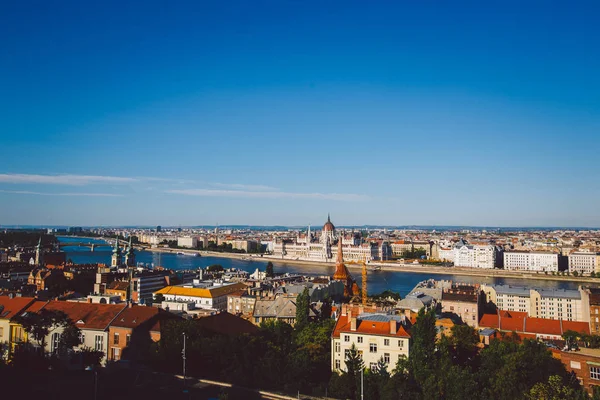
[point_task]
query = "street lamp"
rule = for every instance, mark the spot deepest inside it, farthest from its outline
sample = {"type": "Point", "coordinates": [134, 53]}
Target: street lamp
{"type": "Point", "coordinates": [183, 357]}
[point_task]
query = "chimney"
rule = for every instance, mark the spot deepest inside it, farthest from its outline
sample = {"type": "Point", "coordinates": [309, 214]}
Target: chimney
{"type": "Point", "coordinates": [344, 310]}
{"type": "Point", "coordinates": [348, 312]}
{"type": "Point", "coordinates": [352, 323]}
{"type": "Point", "coordinates": [393, 327]}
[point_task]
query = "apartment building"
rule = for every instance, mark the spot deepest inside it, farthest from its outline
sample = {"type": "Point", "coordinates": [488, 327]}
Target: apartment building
{"type": "Point", "coordinates": [474, 256]}
{"type": "Point", "coordinates": [584, 262]}
{"type": "Point", "coordinates": [187, 241]}
{"type": "Point", "coordinates": [559, 304]}
{"type": "Point", "coordinates": [462, 301]}
{"type": "Point", "coordinates": [538, 261]}
{"type": "Point", "coordinates": [205, 295]}
{"type": "Point", "coordinates": [375, 336]}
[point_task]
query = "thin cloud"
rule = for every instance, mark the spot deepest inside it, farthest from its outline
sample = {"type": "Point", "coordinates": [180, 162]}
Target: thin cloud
{"type": "Point", "coordinates": [240, 186]}
{"type": "Point", "coordinates": [269, 195]}
{"type": "Point", "coordinates": [61, 194]}
{"type": "Point", "coordinates": [74, 180]}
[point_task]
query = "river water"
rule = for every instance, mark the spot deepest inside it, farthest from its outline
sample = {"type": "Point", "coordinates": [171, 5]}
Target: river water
{"type": "Point", "coordinates": [378, 281]}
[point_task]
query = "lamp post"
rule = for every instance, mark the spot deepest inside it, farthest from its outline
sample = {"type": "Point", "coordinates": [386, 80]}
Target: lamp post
{"type": "Point", "coordinates": [183, 357]}
{"type": "Point", "coordinates": [362, 384]}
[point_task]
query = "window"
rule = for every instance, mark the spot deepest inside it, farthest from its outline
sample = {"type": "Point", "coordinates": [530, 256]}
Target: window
{"type": "Point", "coordinates": [99, 343]}
{"type": "Point", "coordinates": [373, 366]}
{"type": "Point", "coordinates": [386, 342]}
{"type": "Point", "coordinates": [346, 338]}
{"type": "Point", "coordinates": [115, 353]}
{"type": "Point", "coordinates": [346, 353]}
{"type": "Point", "coordinates": [337, 347]}
{"type": "Point", "coordinates": [337, 364]}
{"type": "Point", "coordinates": [372, 347]}
{"type": "Point", "coordinates": [400, 343]}
{"type": "Point", "coordinates": [127, 339]}
{"type": "Point", "coordinates": [55, 342]}
{"type": "Point", "coordinates": [1, 331]}
{"type": "Point", "coordinates": [595, 373]}
{"type": "Point", "coordinates": [116, 338]}
{"type": "Point", "coordinates": [360, 339]}
{"type": "Point", "coordinates": [386, 358]}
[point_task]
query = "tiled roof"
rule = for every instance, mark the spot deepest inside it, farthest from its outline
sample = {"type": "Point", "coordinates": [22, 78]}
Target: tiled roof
{"type": "Point", "coordinates": [202, 292]}
{"type": "Point", "coordinates": [12, 307]}
{"type": "Point", "coordinates": [519, 322]}
{"type": "Point", "coordinates": [464, 297]}
{"type": "Point", "coordinates": [368, 327]}
{"type": "Point", "coordinates": [87, 315]}
{"type": "Point", "coordinates": [226, 324]}
{"type": "Point", "coordinates": [135, 316]}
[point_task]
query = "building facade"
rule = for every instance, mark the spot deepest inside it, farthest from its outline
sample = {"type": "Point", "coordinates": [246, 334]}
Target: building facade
{"type": "Point", "coordinates": [374, 335]}
{"type": "Point", "coordinates": [559, 304]}
{"type": "Point", "coordinates": [531, 261]}
{"type": "Point", "coordinates": [584, 262]}
{"type": "Point", "coordinates": [204, 295]}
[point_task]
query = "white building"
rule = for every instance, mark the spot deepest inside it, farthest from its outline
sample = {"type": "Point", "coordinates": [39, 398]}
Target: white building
{"type": "Point", "coordinates": [187, 241]}
{"type": "Point", "coordinates": [311, 247]}
{"type": "Point", "coordinates": [474, 256]}
{"type": "Point", "coordinates": [206, 294]}
{"type": "Point", "coordinates": [375, 336]}
{"type": "Point", "coordinates": [568, 305]}
{"type": "Point", "coordinates": [584, 262]}
{"type": "Point", "coordinates": [539, 261]}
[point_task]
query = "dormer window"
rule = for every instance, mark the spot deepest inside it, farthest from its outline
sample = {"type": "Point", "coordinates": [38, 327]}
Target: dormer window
{"type": "Point", "coordinates": [81, 322]}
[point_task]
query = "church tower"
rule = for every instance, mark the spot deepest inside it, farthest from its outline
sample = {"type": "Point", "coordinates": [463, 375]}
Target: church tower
{"type": "Point", "coordinates": [130, 255]}
{"type": "Point", "coordinates": [115, 260]}
{"type": "Point", "coordinates": [39, 253]}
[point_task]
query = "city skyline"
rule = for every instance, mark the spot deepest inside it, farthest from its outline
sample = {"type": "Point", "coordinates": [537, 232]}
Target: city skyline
{"type": "Point", "coordinates": [277, 113]}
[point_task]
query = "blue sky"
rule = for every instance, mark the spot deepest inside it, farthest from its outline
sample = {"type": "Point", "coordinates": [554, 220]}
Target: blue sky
{"type": "Point", "coordinates": [186, 113]}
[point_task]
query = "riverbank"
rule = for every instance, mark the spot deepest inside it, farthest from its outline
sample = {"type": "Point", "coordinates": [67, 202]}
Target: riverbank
{"type": "Point", "coordinates": [415, 268]}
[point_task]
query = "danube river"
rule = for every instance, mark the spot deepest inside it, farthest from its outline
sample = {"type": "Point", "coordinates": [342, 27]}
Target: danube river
{"type": "Point", "coordinates": [379, 281]}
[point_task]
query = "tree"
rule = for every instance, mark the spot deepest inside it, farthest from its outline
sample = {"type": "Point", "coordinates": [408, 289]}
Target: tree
{"type": "Point", "coordinates": [214, 268]}
{"type": "Point", "coordinates": [39, 325]}
{"type": "Point", "coordinates": [159, 298]}
{"type": "Point", "coordinates": [592, 274]}
{"type": "Point", "coordinates": [269, 270]}
{"type": "Point", "coordinates": [354, 367]}
{"type": "Point", "coordinates": [302, 309]}
{"type": "Point", "coordinates": [575, 273]}
{"type": "Point", "coordinates": [554, 389]}
{"type": "Point", "coordinates": [326, 308]}
{"type": "Point", "coordinates": [422, 351]}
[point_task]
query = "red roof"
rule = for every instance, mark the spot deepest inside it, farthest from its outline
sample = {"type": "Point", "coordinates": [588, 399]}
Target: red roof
{"type": "Point", "coordinates": [12, 307]}
{"type": "Point", "coordinates": [343, 324]}
{"type": "Point", "coordinates": [226, 324]}
{"type": "Point", "coordinates": [87, 315]}
{"type": "Point", "coordinates": [137, 315]}
{"type": "Point", "coordinates": [519, 322]}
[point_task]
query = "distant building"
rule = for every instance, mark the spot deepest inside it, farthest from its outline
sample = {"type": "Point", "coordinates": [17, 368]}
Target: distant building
{"type": "Point", "coordinates": [564, 304]}
{"type": "Point", "coordinates": [539, 261]}
{"type": "Point", "coordinates": [190, 242]}
{"type": "Point", "coordinates": [240, 303]}
{"type": "Point", "coordinates": [531, 327]}
{"type": "Point", "coordinates": [584, 262]}
{"type": "Point", "coordinates": [375, 336]}
{"type": "Point", "coordinates": [585, 363]}
{"type": "Point", "coordinates": [320, 247]}
{"type": "Point", "coordinates": [206, 295]}
{"type": "Point", "coordinates": [474, 256]}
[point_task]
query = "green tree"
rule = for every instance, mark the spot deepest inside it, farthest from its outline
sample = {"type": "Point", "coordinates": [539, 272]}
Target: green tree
{"type": "Point", "coordinates": [422, 351]}
{"type": "Point", "coordinates": [38, 325]}
{"type": "Point", "coordinates": [554, 389]}
{"type": "Point", "coordinates": [302, 309]}
{"type": "Point", "coordinates": [269, 270]}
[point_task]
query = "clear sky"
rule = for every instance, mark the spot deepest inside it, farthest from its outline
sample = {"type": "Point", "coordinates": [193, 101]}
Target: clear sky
{"type": "Point", "coordinates": [205, 112]}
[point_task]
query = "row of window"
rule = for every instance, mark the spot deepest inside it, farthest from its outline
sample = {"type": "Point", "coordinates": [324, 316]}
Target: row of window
{"type": "Point", "coordinates": [359, 339]}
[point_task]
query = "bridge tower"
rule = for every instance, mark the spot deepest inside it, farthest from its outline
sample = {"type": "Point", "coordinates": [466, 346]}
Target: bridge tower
{"type": "Point", "coordinates": [93, 247]}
